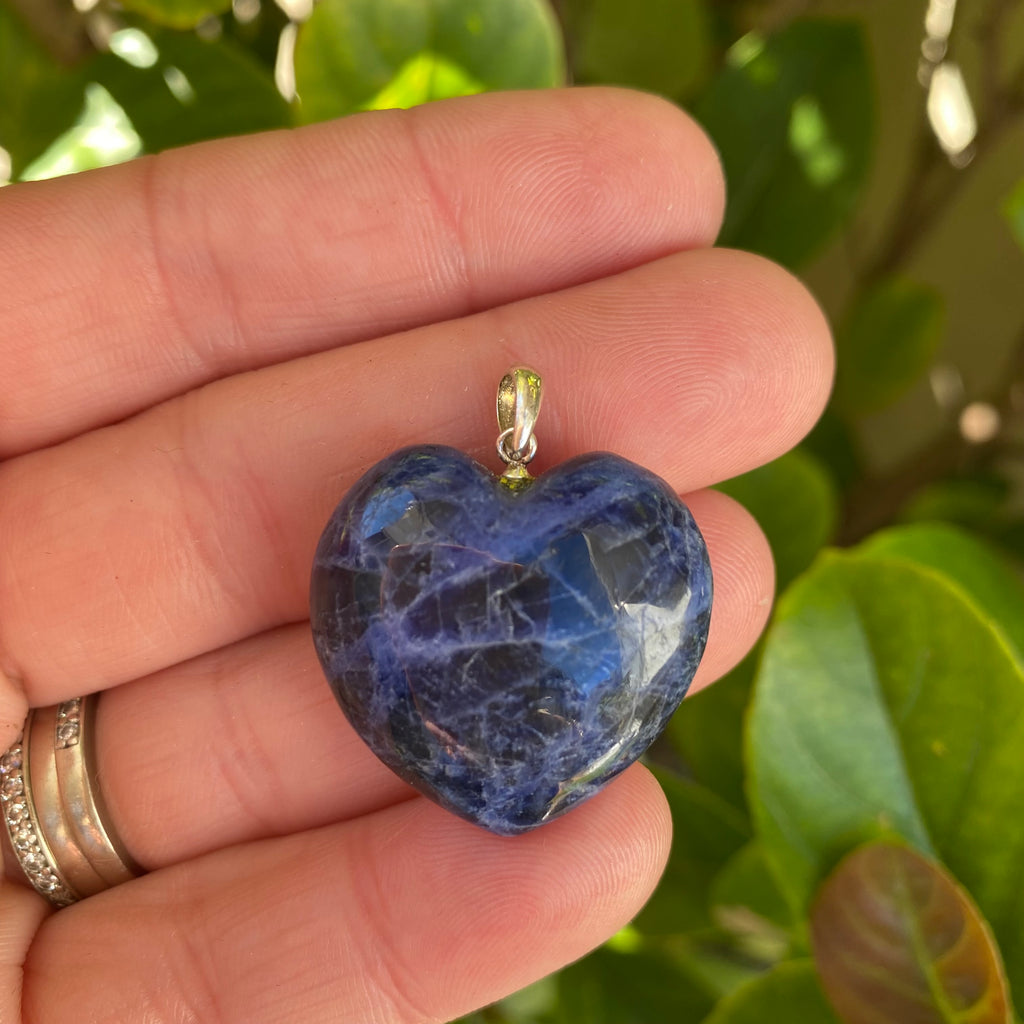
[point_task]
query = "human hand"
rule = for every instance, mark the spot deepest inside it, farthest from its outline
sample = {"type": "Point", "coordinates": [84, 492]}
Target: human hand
{"type": "Point", "coordinates": [200, 353]}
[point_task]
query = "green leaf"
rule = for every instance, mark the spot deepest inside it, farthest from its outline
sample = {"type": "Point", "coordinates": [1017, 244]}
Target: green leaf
{"type": "Point", "coordinates": [706, 733]}
{"type": "Point", "coordinates": [422, 79]}
{"type": "Point", "coordinates": [788, 992]}
{"type": "Point", "coordinates": [980, 501]}
{"type": "Point", "coordinates": [707, 832]}
{"type": "Point", "coordinates": [177, 13]}
{"type": "Point", "coordinates": [746, 882]}
{"type": "Point", "coordinates": [352, 54]}
{"type": "Point", "coordinates": [1013, 210]}
{"type": "Point", "coordinates": [39, 99]}
{"type": "Point", "coordinates": [196, 90]}
{"type": "Point", "coordinates": [644, 987]}
{"type": "Point", "coordinates": [887, 703]}
{"type": "Point", "coordinates": [794, 500]}
{"type": "Point", "coordinates": [664, 46]}
{"type": "Point", "coordinates": [887, 342]}
{"type": "Point", "coordinates": [896, 938]}
{"type": "Point", "coordinates": [101, 136]}
{"type": "Point", "coordinates": [792, 117]}
{"type": "Point", "coordinates": [970, 563]}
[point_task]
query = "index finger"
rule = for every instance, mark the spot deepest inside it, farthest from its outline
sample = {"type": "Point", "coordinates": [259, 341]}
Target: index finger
{"type": "Point", "coordinates": [123, 287]}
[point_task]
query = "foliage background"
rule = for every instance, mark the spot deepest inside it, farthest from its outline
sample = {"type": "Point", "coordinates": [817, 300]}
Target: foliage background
{"type": "Point", "coordinates": [849, 802]}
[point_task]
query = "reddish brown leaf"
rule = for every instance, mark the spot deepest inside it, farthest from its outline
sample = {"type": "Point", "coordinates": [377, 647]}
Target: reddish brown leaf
{"type": "Point", "coordinates": [898, 941]}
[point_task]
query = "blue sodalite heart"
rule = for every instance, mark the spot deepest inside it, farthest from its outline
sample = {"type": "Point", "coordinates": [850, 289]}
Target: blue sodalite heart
{"type": "Point", "coordinates": [509, 652]}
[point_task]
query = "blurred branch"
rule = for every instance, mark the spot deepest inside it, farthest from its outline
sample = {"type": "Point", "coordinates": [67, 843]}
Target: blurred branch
{"type": "Point", "coordinates": [877, 501]}
{"type": "Point", "coordinates": [931, 186]}
{"type": "Point", "coordinates": [933, 182]}
{"type": "Point", "coordinates": [770, 16]}
{"type": "Point", "coordinates": [58, 26]}
{"type": "Point", "coordinates": [989, 34]}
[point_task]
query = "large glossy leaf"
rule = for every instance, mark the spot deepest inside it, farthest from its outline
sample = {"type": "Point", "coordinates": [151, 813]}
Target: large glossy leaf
{"type": "Point", "coordinates": [664, 46]}
{"type": "Point", "coordinates": [177, 13]}
{"type": "Point", "coordinates": [795, 502]}
{"type": "Point", "coordinates": [896, 938]}
{"type": "Point", "coordinates": [887, 703]}
{"type": "Point", "coordinates": [195, 90]}
{"type": "Point", "coordinates": [886, 343]}
{"type": "Point", "coordinates": [644, 987]}
{"type": "Point", "coordinates": [353, 54]}
{"type": "Point", "coordinates": [787, 994]}
{"type": "Point", "coordinates": [967, 561]}
{"type": "Point", "coordinates": [792, 117]}
{"type": "Point", "coordinates": [39, 99]}
{"type": "Point", "coordinates": [707, 832]}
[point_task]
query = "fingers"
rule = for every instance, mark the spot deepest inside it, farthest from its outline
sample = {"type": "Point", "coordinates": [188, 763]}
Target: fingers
{"type": "Point", "coordinates": [13, 706]}
{"type": "Point", "coordinates": [239, 253]}
{"type": "Point", "coordinates": [409, 915]}
{"type": "Point", "coordinates": [194, 525]}
{"type": "Point", "coordinates": [248, 742]}
{"type": "Point", "coordinates": [21, 913]}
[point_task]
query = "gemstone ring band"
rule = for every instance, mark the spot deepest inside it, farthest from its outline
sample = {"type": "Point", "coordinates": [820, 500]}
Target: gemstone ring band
{"type": "Point", "coordinates": [53, 809]}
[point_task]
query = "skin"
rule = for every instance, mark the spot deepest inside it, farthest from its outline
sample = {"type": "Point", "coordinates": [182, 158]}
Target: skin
{"type": "Point", "coordinates": [200, 353]}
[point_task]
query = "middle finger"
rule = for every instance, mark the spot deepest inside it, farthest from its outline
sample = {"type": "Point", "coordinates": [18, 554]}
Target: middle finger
{"type": "Point", "coordinates": [247, 742]}
{"type": "Point", "coordinates": [193, 525]}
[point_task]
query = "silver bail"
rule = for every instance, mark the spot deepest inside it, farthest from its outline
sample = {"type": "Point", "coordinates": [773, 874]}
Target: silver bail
{"type": "Point", "coordinates": [519, 399]}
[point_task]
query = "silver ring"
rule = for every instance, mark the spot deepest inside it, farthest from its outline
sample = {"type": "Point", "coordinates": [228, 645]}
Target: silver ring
{"type": "Point", "coordinates": [53, 808]}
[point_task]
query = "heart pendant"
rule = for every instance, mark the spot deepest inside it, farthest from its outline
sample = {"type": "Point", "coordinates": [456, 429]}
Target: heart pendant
{"type": "Point", "coordinates": [504, 644]}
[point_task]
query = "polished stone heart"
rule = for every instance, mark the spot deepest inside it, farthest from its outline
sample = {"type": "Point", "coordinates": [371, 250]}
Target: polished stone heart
{"type": "Point", "coordinates": [508, 652]}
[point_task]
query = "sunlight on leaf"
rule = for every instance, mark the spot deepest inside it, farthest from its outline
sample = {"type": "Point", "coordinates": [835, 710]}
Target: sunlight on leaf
{"type": "Point", "coordinates": [896, 938]}
{"type": "Point", "coordinates": [822, 160]}
{"type": "Point", "coordinates": [423, 78]}
{"type": "Point", "coordinates": [792, 116]}
{"type": "Point", "coordinates": [134, 47]}
{"type": "Point", "coordinates": [745, 49]}
{"type": "Point", "coordinates": [196, 90]}
{"type": "Point", "coordinates": [356, 53]}
{"type": "Point", "coordinates": [625, 940]}
{"type": "Point", "coordinates": [102, 136]}
{"type": "Point", "coordinates": [181, 88]}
